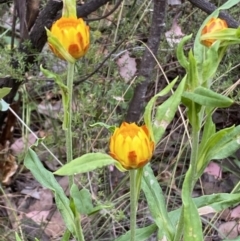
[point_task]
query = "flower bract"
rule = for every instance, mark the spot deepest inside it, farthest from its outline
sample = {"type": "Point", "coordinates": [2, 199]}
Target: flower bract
{"type": "Point", "coordinates": [131, 145]}
{"type": "Point", "coordinates": [214, 25]}
{"type": "Point", "coordinates": [72, 34]}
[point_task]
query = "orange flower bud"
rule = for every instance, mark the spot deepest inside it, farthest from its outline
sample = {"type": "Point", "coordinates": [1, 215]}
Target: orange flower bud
{"type": "Point", "coordinates": [72, 34]}
{"type": "Point", "coordinates": [131, 145]}
{"type": "Point", "coordinates": [214, 25]}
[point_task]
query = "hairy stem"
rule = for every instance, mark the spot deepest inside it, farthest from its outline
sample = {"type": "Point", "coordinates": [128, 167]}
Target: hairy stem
{"type": "Point", "coordinates": [68, 131]}
{"type": "Point", "coordinates": [133, 204]}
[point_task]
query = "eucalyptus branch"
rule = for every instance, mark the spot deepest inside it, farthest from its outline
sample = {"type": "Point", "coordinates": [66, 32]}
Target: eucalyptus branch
{"type": "Point", "coordinates": [147, 64]}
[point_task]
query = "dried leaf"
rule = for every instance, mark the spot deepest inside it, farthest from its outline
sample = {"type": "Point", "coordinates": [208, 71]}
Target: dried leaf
{"type": "Point", "coordinates": [20, 144]}
{"type": "Point", "coordinates": [174, 35]}
{"type": "Point", "coordinates": [127, 66]}
{"type": "Point", "coordinates": [214, 169]}
{"type": "Point", "coordinates": [8, 166]}
{"type": "Point", "coordinates": [235, 213]}
{"type": "Point", "coordinates": [174, 2]}
{"type": "Point", "coordinates": [228, 230]}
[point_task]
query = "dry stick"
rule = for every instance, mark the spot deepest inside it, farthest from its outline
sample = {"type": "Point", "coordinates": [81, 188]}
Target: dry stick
{"type": "Point", "coordinates": [209, 8]}
{"type": "Point", "coordinates": [147, 63]}
{"type": "Point", "coordinates": [108, 14]}
{"type": "Point", "coordinates": [99, 66]}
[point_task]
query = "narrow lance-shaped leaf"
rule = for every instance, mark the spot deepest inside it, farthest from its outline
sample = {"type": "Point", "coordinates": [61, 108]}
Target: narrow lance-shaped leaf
{"type": "Point", "coordinates": [156, 203]}
{"type": "Point", "coordinates": [228, 34]}
{"type": "Point", "coordinates": [64, 92]}
{"type": "Point", "coordinates": [208, 98]}
{"type": "Point", "coordinates": [166, 112]}
{"type": "Point", "coordinates": [193, 79]}
{"type": "Point", "coordinates": [221, 145]}
{"type": "Point", "coordinates": [4, 91]}
{"type": "Point", "coordinates": [149, 108]}
{"type": "Point", "coordinates": [82, 199]}
{"type": "Point", "coordinates": [217, 202]}
{"type": "Point", "coordinates": [213, 144]}
{"type": "Point", "coordinates": [142, 234]}
{"type": "Point", "coordinates": [46, 178]}
{"type": "Point", "coordinates": [180, 52]}
{"type": "Point", "coordinates": [208, 131]}
{"type": "Point", "coordinates": [211, 62]}
{"type": "Point", "coordinates": [17, 237]}
{"type": "Point", "coordinates": [192, 222]}
{"type": "Point", "coordinates": [86, 163]}
{"type": "Point", "coordinates": [102, 124]}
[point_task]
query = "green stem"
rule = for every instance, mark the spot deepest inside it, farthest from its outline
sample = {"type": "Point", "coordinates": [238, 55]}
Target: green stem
{"type": "Point", "coordinates": [68, 112]}
{"type": "Point", "coordinates": [194, 155]}
{"type": "Point", "coordinates": [180, 227]}
{"type": "Point", "coordinates": [133, 204]}
{"type": "Point", "coordinates": [68, 131]}
{"type": "Point", "coordinates": [191, 174]}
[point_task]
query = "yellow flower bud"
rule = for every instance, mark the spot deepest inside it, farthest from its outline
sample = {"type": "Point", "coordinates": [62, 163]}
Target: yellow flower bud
{"type": "Point", "coordinates": [72, 34]}
{"type": "Point", "coordinates": [131, 145]}
{"type": "Point", "coordinates": [214, 25]}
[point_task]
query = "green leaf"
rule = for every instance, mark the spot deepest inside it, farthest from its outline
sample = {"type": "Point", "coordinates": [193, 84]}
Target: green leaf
{"type": "Point", "coordinates": [192, 111]}
{"type": "Point", "coordinates": [182, 59]}
{"type": "Point", "coordinates": [64, 93]}
{"type": "Point", "coordinates": [82, 199]}
{"type": "Point", "coordinates": [4, 91]}
{"type": "Point", "coordinates": [218, 202]}
{"type": "Point", "coordinates": [192, 223]}
{"type": "Point", "coordinates": [208, 131]}
{"type": "Point", "coordinates": [3, 105]}
{"type": "Point", "coordinates": [142, 234]}
{"type": "Point", "coordinates": [66, 236]}
{"type": "Point", "coordinates": [227, 141]}
{"type": "Point", "coordinates": [102, 124]}
{"type": "Point", "coordinates": [193, 80]}
{"type": "Point", "coordinates": [17, 237]}
{"type": "Point", "coordinates": [210, 65]}
{"type": "Point", "coordinates": [166, 112]}
{"type": "Point", "coordinates": [207, 97]}
{"type": "Point", "coordinates": [46, 178]}
{"type": "Point", "coordinates": [230, 34]}
{"type": "Point", "coordinates": [220, 145]}
{"type": "Point", "coordinates": [86, 163]}
{"type": "Point", "coordinates": [149, 108]}
{"type": "Point", "coordinates": [156, 203]}
{"type": "Point", "coordinates": [99, 208]}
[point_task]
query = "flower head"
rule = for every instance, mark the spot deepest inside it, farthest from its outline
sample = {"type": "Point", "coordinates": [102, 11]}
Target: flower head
{"type": "Point", "coordinates": [214, 25]}
{"type": "Point", "coordinates": [131, 145]}
{"type": "Point", "coordinates": [69, 36]}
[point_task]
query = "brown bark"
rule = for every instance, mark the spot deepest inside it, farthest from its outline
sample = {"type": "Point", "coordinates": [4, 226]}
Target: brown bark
{"type": "Point", "coordinates": [147, 63]}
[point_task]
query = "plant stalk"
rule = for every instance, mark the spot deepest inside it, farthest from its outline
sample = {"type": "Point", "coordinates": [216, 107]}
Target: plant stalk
{"type": "Point", "coordinates": [68, 132]}
{"type": "Point", "coordinates": [133, 203]}
{"type": "Point", "coordinates": [68, 112]}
